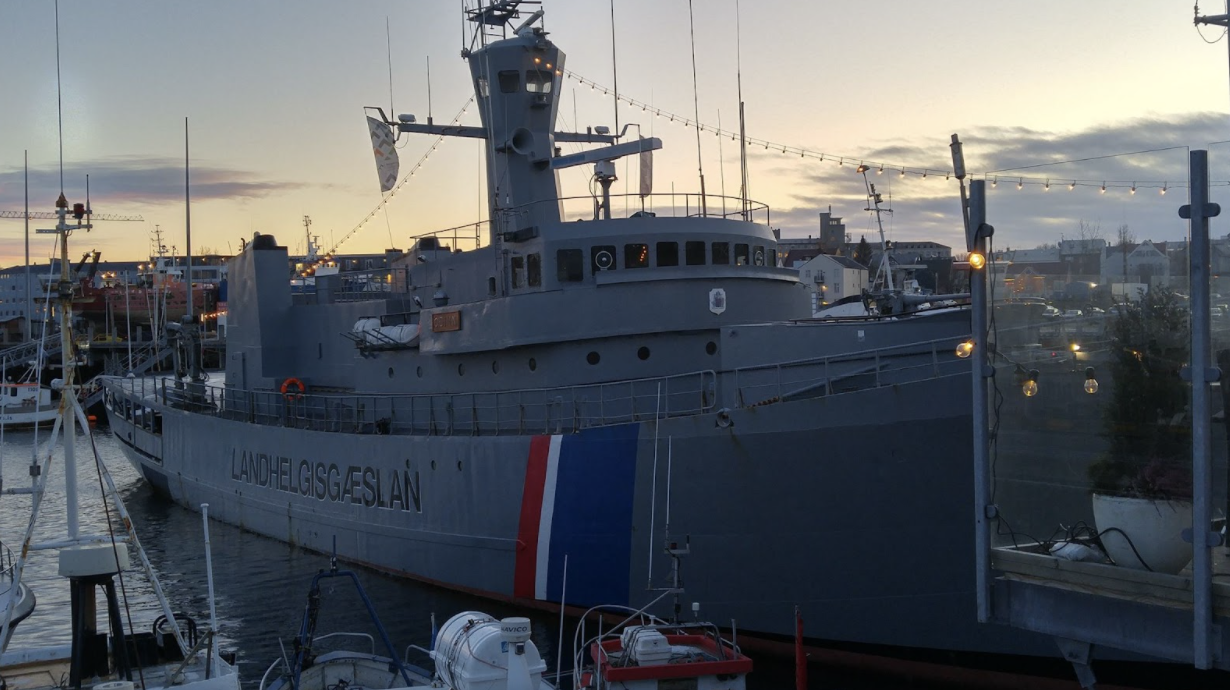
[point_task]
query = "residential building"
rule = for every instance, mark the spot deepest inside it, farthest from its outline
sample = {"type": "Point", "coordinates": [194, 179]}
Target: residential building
{"type": "Point", "coordinates": [831, 278]}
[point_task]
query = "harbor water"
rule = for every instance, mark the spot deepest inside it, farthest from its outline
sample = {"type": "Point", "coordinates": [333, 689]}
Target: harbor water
{"type": "Point", "coordinates": [261, 584]}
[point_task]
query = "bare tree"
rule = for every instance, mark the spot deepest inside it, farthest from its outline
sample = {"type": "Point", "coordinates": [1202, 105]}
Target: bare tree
{"type": "Point", "coordinates": [1125, 237]}
{"type": "Point", "coordinates": [1087, 232]}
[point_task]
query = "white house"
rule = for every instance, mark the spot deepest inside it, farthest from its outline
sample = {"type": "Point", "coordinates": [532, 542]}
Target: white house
{"type": "Point", "coordinates": [1146, 262]}
{"type": "Point", "coordinates": [831, 278]}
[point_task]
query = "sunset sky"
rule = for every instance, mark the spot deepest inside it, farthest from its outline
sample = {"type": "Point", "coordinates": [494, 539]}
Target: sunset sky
{"type": "Point", "coordinates": [274, 92]}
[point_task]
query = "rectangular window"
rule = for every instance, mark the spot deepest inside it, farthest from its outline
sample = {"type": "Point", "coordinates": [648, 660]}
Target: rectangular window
{"type": "Point", "coordinates": [539, 80]}
{"type": "Point", "coordinates": [602, 258]}
{"type": "Point", "coordinates": [695, 253]}
{"type": "Point", "coordinates": [510, 81]}
{"type": "Point", "coordinates": [518, 271]}
{"type": "Point", "coordinates": [569, 266]}
{"type": "Point", "coordinates": [772, 257]}
{"type": "Point", "coordinates": [721, 253]}
{"type": "Point", "coordinates": [740, 254]}
{"type": "Point", "coordinates": [533, 269]}
{"type": "Point", "coordinates": [636, 255]}
{"type": "Point", "coordinates": [668, 253]}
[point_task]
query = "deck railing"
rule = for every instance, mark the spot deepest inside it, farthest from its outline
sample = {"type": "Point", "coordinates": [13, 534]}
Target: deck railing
{"type": "Point", "coordinates": [858, 370]}
{"type": "Point", "coordinates": [542, 410]}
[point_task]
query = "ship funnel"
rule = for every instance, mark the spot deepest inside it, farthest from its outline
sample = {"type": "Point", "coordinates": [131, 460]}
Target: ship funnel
{"type": "Point", "coordinates": [522, 141]}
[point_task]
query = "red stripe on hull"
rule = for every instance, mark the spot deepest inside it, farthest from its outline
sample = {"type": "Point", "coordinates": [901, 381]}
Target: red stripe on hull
{"type": "Point", "coordinates": [531, 515]}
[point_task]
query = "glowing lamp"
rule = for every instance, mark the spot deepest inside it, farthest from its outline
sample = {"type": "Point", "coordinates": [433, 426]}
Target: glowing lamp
{"type": "Point", "coordinates": [1030, 387]}
{"type": "Point", "coordinates": [1076, 347]}
{"type": "Point", "coordinates": [977, 261]}
{"type": "Point", "coordinates": [1091, 384]}
{"type": "Point", "coordinates": [965, 349]}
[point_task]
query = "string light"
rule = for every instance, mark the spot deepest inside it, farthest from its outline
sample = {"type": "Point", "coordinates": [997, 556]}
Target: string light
{"type": "Point", "coordinates": [1020, 183]}
{"type": "Point", "coordinates": [965, 349]}
{"type": "Point", "coordinates": [1047, 186]}
{"type": "Point", "coordinates": [1091, 384]}
{"type": "Point", "coordinates": [1133, 187]}
{"type": "Point", "coordinates": [994, 183]}
{"type": "Point", "coordinates": [1163, 189]}
{"type": "Point", "coordinates": [805, 153]}
{"type": "Point", "coordinates": [1030, 387]}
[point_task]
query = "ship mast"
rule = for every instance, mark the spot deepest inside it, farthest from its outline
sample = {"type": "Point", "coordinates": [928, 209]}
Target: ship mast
{"type": "Point", "coordinates": [884, 273]}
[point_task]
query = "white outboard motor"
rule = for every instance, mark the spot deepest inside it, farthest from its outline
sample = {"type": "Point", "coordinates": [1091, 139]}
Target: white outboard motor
{"type": "Point", "coordinates": [476, 652]}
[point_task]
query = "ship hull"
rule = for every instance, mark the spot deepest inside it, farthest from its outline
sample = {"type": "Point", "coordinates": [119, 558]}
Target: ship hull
{"type": "Point", "coordinates": [864, 525]}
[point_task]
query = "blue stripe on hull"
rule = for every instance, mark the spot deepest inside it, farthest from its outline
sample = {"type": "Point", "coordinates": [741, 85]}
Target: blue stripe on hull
{"type": "Point", "coordinates": [592, 524]}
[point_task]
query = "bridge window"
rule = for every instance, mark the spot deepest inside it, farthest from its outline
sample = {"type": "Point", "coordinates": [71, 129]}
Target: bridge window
{"type": "Point", "coordinates": [539, 80]}
{"type": "Point", "coordinates": [695, 253]}
{"type": "Point", "coordinates": [668, 253]}
{"type": "Point", "coordinates": [518, 271]}
{"type": "Point", "coordinates": [721, 253]}
{"type": "Point", "coordinates": [602, 258]}
{"type": "Point", "coordinates": [533, 269]}
{"type": "Point", "coordinates": [510, 81]}
{"type": "Point", "coordinates": [636, 255]}
{"type": "Point", "coordinates": [569, 266]}
{"type": "Point", "coordinates": [772, 257]}
{"type": "Point", "coordinates": [740, 254]}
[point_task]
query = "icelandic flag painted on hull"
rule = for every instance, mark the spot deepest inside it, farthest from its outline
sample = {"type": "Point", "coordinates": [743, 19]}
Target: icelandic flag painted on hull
{"type": "Point", "coordinates": [577, 502]}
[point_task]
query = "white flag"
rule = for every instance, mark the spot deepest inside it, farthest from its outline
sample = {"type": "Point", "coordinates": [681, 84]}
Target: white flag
{"type": "Point", "coordinates": [386, 153]}
{"type": "Point", "coordinates": [646, 171]}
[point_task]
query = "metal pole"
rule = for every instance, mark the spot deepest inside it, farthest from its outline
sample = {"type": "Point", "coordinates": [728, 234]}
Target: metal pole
{"type": "Point", "coordinates": [209, 570]}
{"type": "Point", "coordinates": [29, 329]}
{"type": "Point", "coordinates": [980, 365]}
{"type": "Point", "coordinates": [187, 222]}
{"type": "Point", "coordinates": [1198, 212]}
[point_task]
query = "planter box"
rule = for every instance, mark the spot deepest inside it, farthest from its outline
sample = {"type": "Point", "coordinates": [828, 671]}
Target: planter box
{"type": "Point", "coordinates": [1155, 528]}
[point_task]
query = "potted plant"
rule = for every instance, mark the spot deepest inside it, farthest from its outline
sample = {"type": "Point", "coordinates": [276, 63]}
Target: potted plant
{"type": "Point", "coordinates": [1142, 486]}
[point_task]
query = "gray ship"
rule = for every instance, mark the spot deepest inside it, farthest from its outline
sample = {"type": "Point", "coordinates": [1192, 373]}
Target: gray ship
{"type": "Point", "coordinates": [588, 390]}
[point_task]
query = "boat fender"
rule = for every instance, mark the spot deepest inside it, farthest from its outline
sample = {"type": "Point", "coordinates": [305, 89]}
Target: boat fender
{"type": "Point", "coordinates": [293, 389]}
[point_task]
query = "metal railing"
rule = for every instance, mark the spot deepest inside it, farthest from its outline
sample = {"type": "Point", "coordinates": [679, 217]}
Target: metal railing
{"type": "Point", "coordinates": [859, 370]}
{"type": "Point", "coordinates": [666, 204]}
{"type": "Point", "coordinates": [541, 410]}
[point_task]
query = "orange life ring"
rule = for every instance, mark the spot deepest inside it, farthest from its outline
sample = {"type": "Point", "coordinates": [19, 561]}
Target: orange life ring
{"type": "Point", "coordinates": [293, 389]}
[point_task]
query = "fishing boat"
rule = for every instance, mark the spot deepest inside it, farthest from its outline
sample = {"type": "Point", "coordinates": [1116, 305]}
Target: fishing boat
{"type": "Point", "coordinates": [26, 404]}
{"type": "Point", "coordinates": [111, 655]}
{"type": "Point", "coordinates": [467, 409]}
{"type": "Point", "coordinates": [314, 668]}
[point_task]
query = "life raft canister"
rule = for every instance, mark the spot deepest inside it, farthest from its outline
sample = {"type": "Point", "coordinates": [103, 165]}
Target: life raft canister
{"type": "Point", "coordinates": [293, 389]}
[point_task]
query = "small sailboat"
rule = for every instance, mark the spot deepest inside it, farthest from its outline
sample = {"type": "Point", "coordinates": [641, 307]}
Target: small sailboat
{"type": "Point", "coordinates": [113, 655]}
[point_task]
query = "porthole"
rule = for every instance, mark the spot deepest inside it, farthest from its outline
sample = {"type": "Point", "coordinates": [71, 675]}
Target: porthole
{"type": "Point", "coordinates": [533, 364]}
{"type": "Point", "coordinates": [643, 353]}
{"type": "Point", "coordinates": [458, 465]}
{"type": "Point", "coordinates": [390, 372]}
{"type": "Point", "coordinates": [593, 358]}
{"type": "Point", "coordinates": [433, 464]}
{"type": "Point", "coordinates": [495, 367]}
{"type": "Point", "coordinates": [461, 369]}
{"type": "Point", "coordinates": [710, 347]}
{"type": "Point", "coordinates": [419, 371]}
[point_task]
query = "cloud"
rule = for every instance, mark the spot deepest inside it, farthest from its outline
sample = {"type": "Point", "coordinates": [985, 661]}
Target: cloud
{"type": "Point", "coordinates": [1156, 156]}
{"type": "Point", "coordinates": [121, 182]}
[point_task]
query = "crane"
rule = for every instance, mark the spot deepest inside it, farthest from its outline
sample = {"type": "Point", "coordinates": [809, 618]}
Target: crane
{"type": "Point", "coordinates": [39, 215]}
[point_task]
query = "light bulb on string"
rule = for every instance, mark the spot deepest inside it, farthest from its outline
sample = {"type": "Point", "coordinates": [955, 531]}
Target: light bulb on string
{"type": "Point", "coordinates": [1030, 387]}
{"type": "Point", "coordinates": [1133, 188]}
{"type": "Point", "coordinates": [902, 172]}
{"type": "Point", "coordinates": [965, 349]}
{"type": "Point", "coordinates": [1047, 187]}
{"type": "Point", "coordinates": [1163, 191]}
{"type": "Point", "coordinates": [1072, 186]}
{"type": "Point", "coordinates": [1103, 186]}
{"type": "Point", "coordinates": [881, 170]}
{"type": "Point", "coordinates": [1020, 183]}
{"type": "Point", "coordinates": [1091, 384]}
{"type": "Point", "coordinates": [994, 182]}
